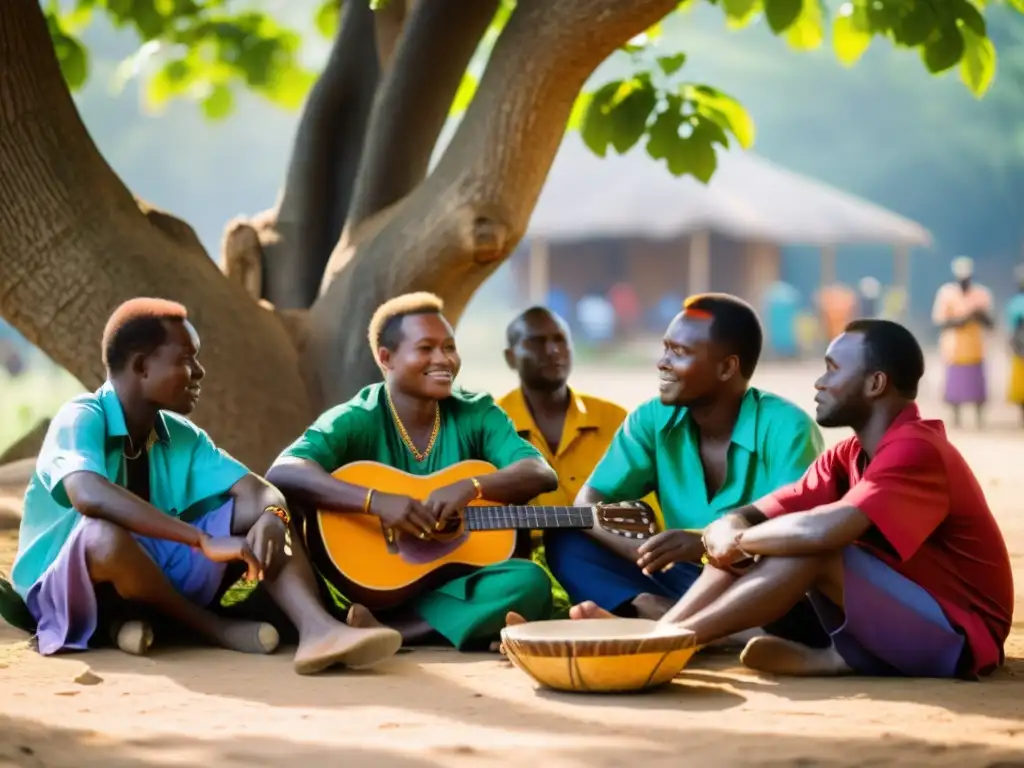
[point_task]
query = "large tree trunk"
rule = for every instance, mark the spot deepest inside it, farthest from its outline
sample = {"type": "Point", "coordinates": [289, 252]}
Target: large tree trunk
{"type": "Point", "coordinates": [453, 230]}
{"type": "Point", "coordinates": [295, 238]}
{"type": "Point", "coordinates": [74, 244]}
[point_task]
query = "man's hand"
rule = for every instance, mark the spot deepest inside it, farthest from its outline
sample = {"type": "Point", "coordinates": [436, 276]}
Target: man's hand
{"type": "Point", "coordinates": [267, 541]}
{"type": "Point", "coordinates": [667, 548]}
{"type": "Point", "coordinates": [402, 512]}
{"type": "Point", "coordinates": [450, 500]}
{"type": "Point", "coordinates": [228, 549]}
{"type": "Point", "coordinates": [721, 540]}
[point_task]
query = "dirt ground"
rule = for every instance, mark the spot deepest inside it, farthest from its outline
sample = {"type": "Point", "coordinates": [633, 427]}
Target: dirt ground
{"type": "Point", "coordinates": [430, 708]}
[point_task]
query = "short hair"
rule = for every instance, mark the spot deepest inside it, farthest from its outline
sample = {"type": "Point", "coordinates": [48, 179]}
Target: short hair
{"type": "Point", "coordinates": [892, 349]}
{"type": "Point", "coordinates": [386, 324]}
{"type": "Point", "coordinates": [734, 323]}
{"type": "Point", "coordinates": [512, 334]}
{"type": "Point", "coordinates": [137, 326]}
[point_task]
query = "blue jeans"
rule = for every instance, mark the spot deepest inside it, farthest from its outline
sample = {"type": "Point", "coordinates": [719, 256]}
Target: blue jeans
{"type": "Point", "coordinates": [589, 571]}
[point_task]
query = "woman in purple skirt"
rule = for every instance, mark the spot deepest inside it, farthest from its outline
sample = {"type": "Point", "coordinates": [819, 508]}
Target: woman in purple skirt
{"type": "Point", "coordinates": [963, 312]}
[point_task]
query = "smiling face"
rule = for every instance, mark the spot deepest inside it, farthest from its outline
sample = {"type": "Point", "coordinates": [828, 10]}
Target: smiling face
{"type": "Point", "coordinates": [542, 354]}
{"type": "Point", "coordinates": [170, 376]}
{"type": "Point", "coordinates": [425, 362]}
{"type": "Point", "coordinates": [846, 389]}
{"type": "Point", "coordinates": [692, 367]}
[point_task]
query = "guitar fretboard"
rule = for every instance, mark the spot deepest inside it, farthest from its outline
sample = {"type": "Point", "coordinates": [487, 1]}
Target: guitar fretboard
{"type": "Point", "coordinates": [527, 517]}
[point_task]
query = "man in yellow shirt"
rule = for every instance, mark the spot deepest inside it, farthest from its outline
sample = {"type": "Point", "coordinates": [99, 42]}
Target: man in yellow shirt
{"type": "Point", "coordinates": [571, 429]}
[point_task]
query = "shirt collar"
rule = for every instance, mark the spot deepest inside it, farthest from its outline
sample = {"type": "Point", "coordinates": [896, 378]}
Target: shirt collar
{"type": "Point", "coordinates": [577, 417]}
{"type": "Point", "coordinates": [744, 433]}
{"type": "Point", "coordinates": [113, 412]}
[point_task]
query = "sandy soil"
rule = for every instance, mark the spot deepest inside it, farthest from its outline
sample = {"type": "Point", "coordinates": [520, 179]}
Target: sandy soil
{"type": "Point", "coordinates": [429, 708]}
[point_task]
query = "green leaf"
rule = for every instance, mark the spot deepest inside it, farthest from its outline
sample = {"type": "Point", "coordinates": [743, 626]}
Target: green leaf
{"type": "Point", "coordinates": [595, 127]}
{"type": "Point", "coordinates": [781, 14]}
{"type": "Point", "coordinates": [723, 110]}
{"type": "Point", "coordinates": [850, 36]}
{"type": "Point", "coordinates": [671, 64]}
{"type": "Point", "coordinates": [219, 103]}
{"type": "Point", "coordinates": [915, 26]}
{"type": "Point", "coordinates": [978, 65]}
{"type": "Point", "coordinates": [328, 17]}
{"type": "Point", "coordinates": [971, 17]}
{"type": "Point", "coordinates": [738, 13]}
{"type": "Point", "coordinates": [664, 141]}
{"type": "Point", "coordinates": [73, 58]}
{"type": "Point", "coordinates": [78, 19]}
{"type": "Point", "coordinates": [629, 110]}
{"type": "Point", "coordinates": [579, 109]}
{"type": "Point", "coordinates": [1017, 5]}
{"type": "Point", "coordinates": [147, 19]}
{"type": "Point", "coordinates": [464, 95]}
{"type": "Point", "coordinates": [697, 154]}
{"type": "Point", "coordinates": [944, 49]}
{"type": "Point", "coordinates": [290, 87]}
{"type": "Point", "coordinates": [807, 32]}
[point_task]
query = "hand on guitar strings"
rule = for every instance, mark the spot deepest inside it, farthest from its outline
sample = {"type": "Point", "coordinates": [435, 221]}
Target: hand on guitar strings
{"type": "Point", "coordinates": [665, 549]}
{"type": "Point", "coordinates": [404, 513]}
{"type": "Point", "coordinates": [449, 501]}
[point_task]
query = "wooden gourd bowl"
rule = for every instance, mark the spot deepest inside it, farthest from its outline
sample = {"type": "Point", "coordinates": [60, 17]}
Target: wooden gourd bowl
{"type": "Point", "coordinates": [599, 655]}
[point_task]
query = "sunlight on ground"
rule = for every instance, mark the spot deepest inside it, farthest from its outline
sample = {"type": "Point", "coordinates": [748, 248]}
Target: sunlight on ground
{"type": "Point", "coordinates": [437, 708]}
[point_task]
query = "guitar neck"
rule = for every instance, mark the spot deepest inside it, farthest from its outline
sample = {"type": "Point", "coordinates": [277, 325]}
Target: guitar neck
{"type": "Point", "coordinates": [527, 518]}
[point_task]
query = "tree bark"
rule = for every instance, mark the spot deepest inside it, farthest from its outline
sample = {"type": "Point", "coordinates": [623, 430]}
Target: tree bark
{"type": "Point", "coordinates": [74, 244]}
{"type": "Point", "coordinates": [456, 227]}
{"type": "Point", "coordinates": [414, 99]}
{"type": "Point", "coordinates": [27, 445]}
{"type": "Point", "coordinates": [298, 235]}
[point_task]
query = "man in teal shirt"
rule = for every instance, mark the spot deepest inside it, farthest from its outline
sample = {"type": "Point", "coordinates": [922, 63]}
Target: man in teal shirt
{"type": "Point", "coordinates": [132, 507]}
{"type": "Point", "coordinates": [708, 444]}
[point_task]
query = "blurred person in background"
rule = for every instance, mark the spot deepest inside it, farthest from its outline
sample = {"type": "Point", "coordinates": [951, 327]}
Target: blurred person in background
{"type": "Point", "coordinates": [963, 312]}
{"type": "Point", "coordinates": [1015, 321]}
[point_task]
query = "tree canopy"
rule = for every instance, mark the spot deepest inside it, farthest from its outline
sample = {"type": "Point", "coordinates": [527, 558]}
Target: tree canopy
{"type": "Point", "coordinates": [204, 51]}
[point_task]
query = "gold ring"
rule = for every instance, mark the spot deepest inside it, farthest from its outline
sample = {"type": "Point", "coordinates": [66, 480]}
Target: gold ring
{"type": "Point", "coordinates": [423, 535]}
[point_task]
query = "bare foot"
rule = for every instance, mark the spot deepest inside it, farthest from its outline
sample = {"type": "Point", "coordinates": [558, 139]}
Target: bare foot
{"type": "Point", "coordinates": [247, 636]}
{"type": "Point", "coordinates": [512, 619]}
{"type": "Point", "coordinates": [650, 606]}
{"type": "Point", "coordinates": [589, 610]}
{"type": "Point", "coordinates": [341, 644]}
{"type": "Point", "coordinates": [785, 657]}
{"type": "Point", "coordinates": [360, 616]}
{"type": "Point", "coordinates": [736, 642]}
{"type": "Point", "coordinates": [134, 637]}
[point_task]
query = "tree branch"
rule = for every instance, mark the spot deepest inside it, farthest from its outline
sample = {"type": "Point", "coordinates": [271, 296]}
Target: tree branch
{"type": "Point", "coordinates": [297, 238]}
{"type": "Point", "coordinates": [417, 92]}
{"type": "Point", "coordinates": [74, 244]}
{"type": "Point", "coordinates": [456, 227]}
{"type": "Point", "coordinates": [389, 22]}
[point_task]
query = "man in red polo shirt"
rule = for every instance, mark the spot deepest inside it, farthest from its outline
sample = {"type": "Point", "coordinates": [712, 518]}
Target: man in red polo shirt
{"type": "Point", "coordinates": [888, 533]}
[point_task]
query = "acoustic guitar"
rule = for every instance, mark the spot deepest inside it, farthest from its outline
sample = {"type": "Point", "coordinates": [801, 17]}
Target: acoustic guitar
{"type": "Point", "coordinates": [383, 569]}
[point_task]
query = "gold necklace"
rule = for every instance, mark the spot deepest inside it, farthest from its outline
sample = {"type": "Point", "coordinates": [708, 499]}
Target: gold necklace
{"type": "Point", "coordinates": [405, 434]}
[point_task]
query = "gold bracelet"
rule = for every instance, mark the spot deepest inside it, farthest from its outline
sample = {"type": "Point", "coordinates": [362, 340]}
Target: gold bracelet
{"type": "Point", "coordinates": [366, 504]}
{"type": "Point", "coordinates": [279, 512]}
{"type": "Point", "coordinates": [479, 490]}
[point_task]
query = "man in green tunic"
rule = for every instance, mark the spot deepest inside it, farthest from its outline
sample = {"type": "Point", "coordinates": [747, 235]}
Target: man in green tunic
{"type": "Point", "coordinates": [416, 421]}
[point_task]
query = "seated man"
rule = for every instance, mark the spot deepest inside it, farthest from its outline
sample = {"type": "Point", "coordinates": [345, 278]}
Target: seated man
{"type": "Point", "coordinates": [418, 422]}
{"type": "Point", "coordinates": [119, 474]}
{"type": "Point", "coordinates": [572, 430]}
{"type": "Point", "coordinates": [708, 443]}
{"type": "Point", "coordinates": [888, 532]}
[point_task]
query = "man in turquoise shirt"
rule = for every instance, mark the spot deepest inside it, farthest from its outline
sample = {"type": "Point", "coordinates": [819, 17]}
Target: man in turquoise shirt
{"type": "Point", "coordinates": [708, 444]}
{"type": "Point", "coordinates": [132, 506]}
